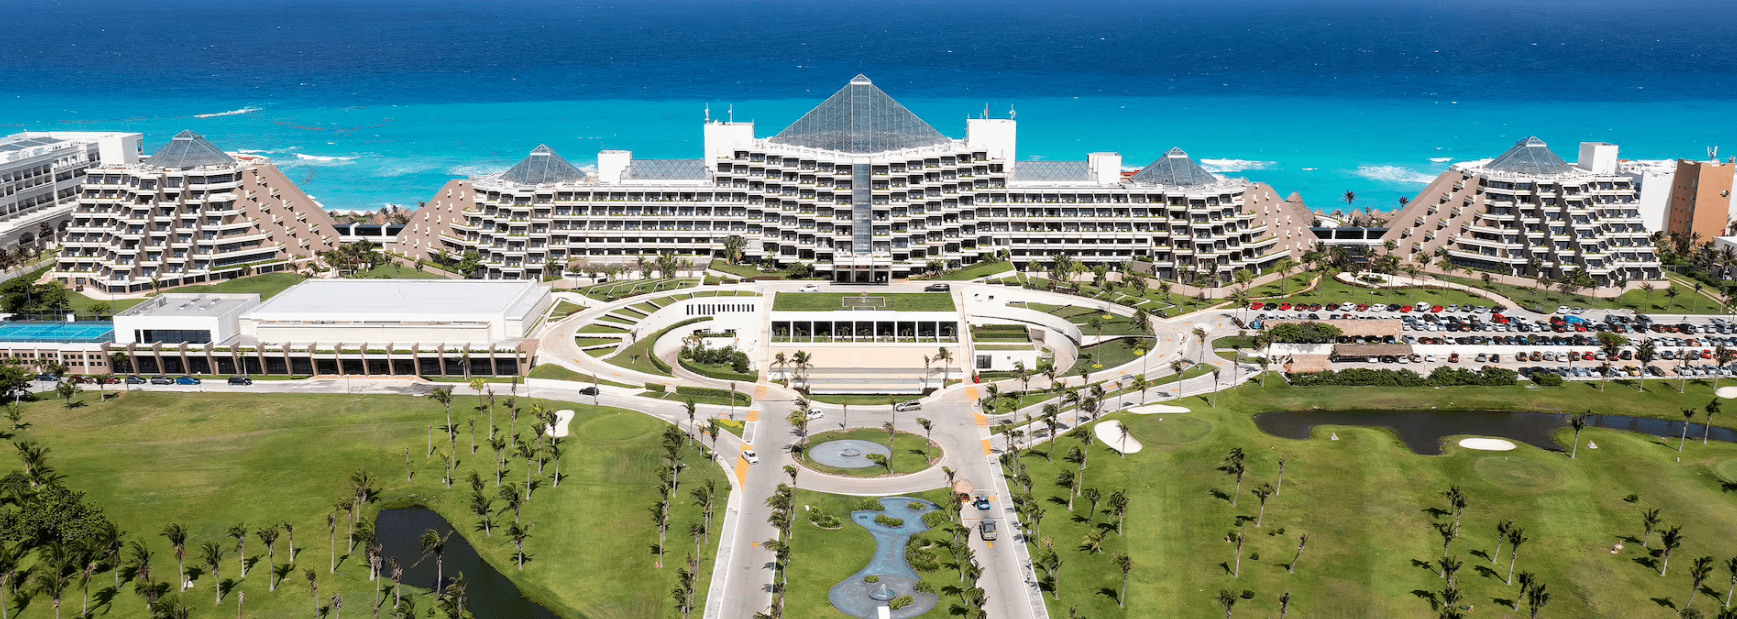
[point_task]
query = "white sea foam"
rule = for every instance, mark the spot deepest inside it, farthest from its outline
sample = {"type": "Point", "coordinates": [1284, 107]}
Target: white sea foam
{"type": "Point", "coordinates": [245, 110]}
{"type": "Point", "coordinates": [245, 151]}
{"type": "Point", "coordinates": [1393, 174]}
{"type": "Point", "coordinates": [1221, 166]}
{"type": "Point", "coordinates": [317, 159]}
{"type": "Point", "coordinates": [471, 169]}
{"type": "Point", "coordinates": [1441, 159]}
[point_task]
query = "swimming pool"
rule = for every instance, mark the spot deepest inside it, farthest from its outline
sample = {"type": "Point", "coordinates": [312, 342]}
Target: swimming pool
{"type": "Point", "coordinates": [83, 331]}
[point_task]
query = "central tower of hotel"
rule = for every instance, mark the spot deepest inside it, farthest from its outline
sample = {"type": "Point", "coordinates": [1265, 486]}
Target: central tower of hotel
{"type": "Point", "coordinates": [864, 191]}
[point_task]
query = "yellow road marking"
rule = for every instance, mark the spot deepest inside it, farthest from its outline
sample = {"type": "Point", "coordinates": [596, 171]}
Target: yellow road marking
{"type": "Point", "coordinates": [742, 468]}
{"type": "Point", "coordinates": [971, 392]}
{"type": "Point", "coordinates": [753, 415]}
{"type": "Point", "coordinates": [760, 392]}
{"type": "Point", "coordinates": [991, 544]}
{"type": "Point", "coordinates": [982, 421]}
{"type": "Point", "coordinates": [986, 448]}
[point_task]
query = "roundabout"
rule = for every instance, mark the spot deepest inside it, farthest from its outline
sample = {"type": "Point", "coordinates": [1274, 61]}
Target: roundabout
{"type": "Point", "coordinates": [869, 452]}
{"type": "Point", "coordinates": [847, 454]}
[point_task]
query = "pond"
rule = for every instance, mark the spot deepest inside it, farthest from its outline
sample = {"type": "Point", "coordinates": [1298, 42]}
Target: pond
{"type": "Point", "coordinates": [1424, 430]}
{"type": "Point", "coordinates": [490, 594]}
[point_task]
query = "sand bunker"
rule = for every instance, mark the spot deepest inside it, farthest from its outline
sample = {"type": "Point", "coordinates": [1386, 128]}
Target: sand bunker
{"type": "Point", "coordinates": [1152, 409]}
{"type": "Point", "coordinates": [1726, 392]}
{"type": "Point", "coordinates": [1110, 433]}
{"type": "Point", "coordinates": [1486, 444]}
{"type": "Point", "coordinates": [562, 418]}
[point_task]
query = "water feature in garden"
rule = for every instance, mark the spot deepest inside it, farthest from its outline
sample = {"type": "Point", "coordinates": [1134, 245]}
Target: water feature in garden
{"type": "Point", "coordinates": [1424, 430]}
{"type": "Point", "coordinates": [893, 574]}
{"type": "Point", "coordinates": [848, 453]}
{"type": "Point", "coordinates": [489, 593]}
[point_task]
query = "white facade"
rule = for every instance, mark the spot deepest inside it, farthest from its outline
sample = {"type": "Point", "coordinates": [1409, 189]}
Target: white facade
{"type": "Point", "coordinates": [419, 311]}
{"type": "Point", "coordinates": [40, 175]}
{"type": "Point", "coordinates": [1654, 178]}
{"type": "Point", "coordinates": [176, 318]}
{"type": "Point", "coordinates": [862, 190]}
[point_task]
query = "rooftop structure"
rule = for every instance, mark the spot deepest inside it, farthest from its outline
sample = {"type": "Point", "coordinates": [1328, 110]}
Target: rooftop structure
{"type": "Point", "coordinates": [1528, 213]}
{"type": "Point", "coordinates": [862, 190]}
{"type": "Point", "coordinates": [177, 318]}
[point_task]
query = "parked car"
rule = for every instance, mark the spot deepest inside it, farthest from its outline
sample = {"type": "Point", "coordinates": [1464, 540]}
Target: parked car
{"type": "Point", "coordinates": [938, 288]}
{"type": "Point", "coordinates": [811, 288]}
{"type": "Point", "coordinates": [162, 380]}
{"type": "Point", "coordinates": [186, 380]}
{"type": "Point", "coordinates": [908, 406]}
{"type": "Point", "coordinates": [136, 380]}
{"type": "Point", "coordinates": [243, 380]}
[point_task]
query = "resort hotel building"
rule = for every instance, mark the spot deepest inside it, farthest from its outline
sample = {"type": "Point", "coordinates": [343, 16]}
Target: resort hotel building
{"type": "Point", "coordinates": [1528, 213]}
{"type": "Point", "coordinates": [864, 191]}
{"type": "Point", "coordinates": [40, 174]}
{"type": "Point", "coordinates": [188, 214]}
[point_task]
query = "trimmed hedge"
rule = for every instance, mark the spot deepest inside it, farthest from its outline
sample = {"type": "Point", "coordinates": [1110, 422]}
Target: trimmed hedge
{"type": "Point", "coordinates": [1441, 377]}
{"type": "Point", "coordinates": [742, 399]}
{"type": "Point", "coordinates": [717, 373]}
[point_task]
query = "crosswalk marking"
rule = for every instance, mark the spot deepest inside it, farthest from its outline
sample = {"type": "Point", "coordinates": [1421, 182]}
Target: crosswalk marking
{"type": "Point", "coordinates": [753, 416]}
{"type": "Point", "coordinates": [971, 392]}
{"type": "Point", "coordinates": [982, 421]}
{"type": "Point", "coordinates": [987, 449]}
{"type": "Point", "coordinates": [742, 468]}
{"type": "Point", "coordinates": [759, 392]}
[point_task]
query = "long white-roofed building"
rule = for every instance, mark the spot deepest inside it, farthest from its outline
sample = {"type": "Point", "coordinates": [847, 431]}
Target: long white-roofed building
{"type": "Point", "coordinates": [863, 190]}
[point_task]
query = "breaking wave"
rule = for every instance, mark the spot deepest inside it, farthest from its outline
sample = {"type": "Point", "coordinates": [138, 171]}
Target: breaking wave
{"type": "Point", "coordinates": [245, 110]}
{"type": "Point", "coordinates": [317, 159]}
{"type": "Point", "coordinates": [1394, 174]}
{"type": "Point", "coordinates": [1220, 166]}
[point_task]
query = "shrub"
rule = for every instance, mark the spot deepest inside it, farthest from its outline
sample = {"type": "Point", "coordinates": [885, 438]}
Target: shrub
{"type": "Point", "coordinates": [871, 578]}
{"type": "Point", "coordinates": [1546, 379]}
{"type": "Point", "coordinates": [1304, 332]}
{"type": "Point", "coordinates": [901, 602]}
{"type": "Point", "coordinates": [889, 522]}
{"type": "Point", "coordinates": [658, 387]}
{"type": "Point", "coordinates": [916, 507]}
{"type": "Point", "coordinates": [935, 519]}
{"type": "Point", "coordinates": [1441, 377]}
{"type": "Point", "coordinates": [823, 520]}
{"type": "Point", "coordinates": [869, 505]}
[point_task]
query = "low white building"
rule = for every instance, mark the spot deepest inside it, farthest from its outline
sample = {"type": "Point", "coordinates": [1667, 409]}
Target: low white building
{"type": "Point", "coordinates": [190, 318]}
{"type": "Point", "coordinates": [449, 312]}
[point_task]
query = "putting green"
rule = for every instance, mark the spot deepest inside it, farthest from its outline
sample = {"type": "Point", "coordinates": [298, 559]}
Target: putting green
{"type": "Point", "coordinates": [1519, 473]}
{"type": "Point", "coordinates": [1727, 470]}
{"type": "Point", "coordinates": [618, 428]}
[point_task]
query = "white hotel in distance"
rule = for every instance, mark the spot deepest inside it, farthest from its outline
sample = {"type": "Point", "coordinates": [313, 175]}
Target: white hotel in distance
{"type": "Point", "coordinates": [865, 191]}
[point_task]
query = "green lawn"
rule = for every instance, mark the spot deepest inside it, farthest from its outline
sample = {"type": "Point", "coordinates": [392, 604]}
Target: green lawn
{"type": "Point", "coordinates": [747, 271]}
{"type": "Point", "coordinates": [831, 301]}
{"type": "Point", "coordinates": [564, 309]}
{"type": "Point", "coordinates": [208, 461]}
{"type": "Point", "coordinates": [865, 400]}
{"type": "Point", "coordinates": [556, 372]}
{"type": "Point", "coordinates": [622, 289]}
{"type": "Point", "coordinates": [266, 286]}
{"type": "Point", "coordinates": [1335, 291]}
{"type": "Point", "coordinates": [741, 399]}
{"type": "Point", "coordinates": [1115, 324]}
{"type": "Point", "coordinates": [1661, 299]}
{"type": "Point", "coordinates": [1109, 354]}
{"type": "Point", "coordinates": [1365, 502]}
{"type": "Point", "coordinates": [393, 270]}
{"type": "Point", "coordinates": [822, 558]}
{"type": "Point", "coordinates": [1000, 333]}
{"type": "Point", "coordinates": [911, 453]}
{"type": "Point", "coordinates": [975, 271]}
{"type": "Point", "coordinates": [602, 328]}
{"type": "Point", "coordinates": [637, 356]}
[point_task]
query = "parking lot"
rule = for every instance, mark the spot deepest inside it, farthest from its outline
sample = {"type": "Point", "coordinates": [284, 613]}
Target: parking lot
{"type": "Point", "coordinates": [1564, 342]}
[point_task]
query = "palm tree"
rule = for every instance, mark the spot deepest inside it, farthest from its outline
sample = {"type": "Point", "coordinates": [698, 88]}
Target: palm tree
{"type": "Point", "coordinates": [212, 554]}
{"type": "Point", "coordinates": [1262, 492]}
{"type": "Point", "coordinates": [177, 536]}
{"type": "Point", "coordinates": [945, 358]}
{"type": "Point", "coordinates": [1578, 421]}
{"type": "Point", "coordinates": [313, 589]}
{"type": "Point", "coordinates": [519, 533]}
{"type": "Point", "coordinates": [1688, 415]}
{"type": "Point", "coordinates": [1126, 564]}
{"type": "Point", "coordinates": [1200, 337]}
{"type": "Point", "coordinates": [10, 556]}
{"type": "Point", "coordinates": [1650, 520]}
{"type": "Point", "coordinates": [1644, 352]}
{"type": "Point", "coordinates": [1227, 600]}
{"type": "Point", "coordinates": [54, 578]}
{"type": "Point", "coordinates": [434, 545]}
{"type": "Point", "coordinates": [1501, 535]}
{"type": "Point", "coordinates": [1516, 537]}
{"type": "Point", "coordinates": [1234, 466]}
{"type": "Point", "coordinates": [1731, 566]}
{"type": "Point", "coordinates": [1698, 573]}
{"type": "Point", "coordinates": [1456, 498]}
{"type": "Point", "coordinates": [1537, 598]}
{"type": "Point", "coordinates": [1672, 539]}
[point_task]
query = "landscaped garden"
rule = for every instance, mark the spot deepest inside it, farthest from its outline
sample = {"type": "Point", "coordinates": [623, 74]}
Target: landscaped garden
{"type": "Point", "coordinates": [830, 301]}
{"type": "Point", "coordinates": [1110, 354]}
{"type": "Point", "coordinates": [1669, 297]}
{"type": "Point", "coordinates": [827, 548]}
{"type": "Point", "coordinates": [1362, 526]}
{"type": "Point", "coordinates": [910, 453]}
{"type": "Point", "coordinates": [214, 463]}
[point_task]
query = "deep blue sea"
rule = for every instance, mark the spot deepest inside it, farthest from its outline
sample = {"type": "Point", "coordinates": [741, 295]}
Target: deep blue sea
{"type": "Point", "coordinates": [374, 102]}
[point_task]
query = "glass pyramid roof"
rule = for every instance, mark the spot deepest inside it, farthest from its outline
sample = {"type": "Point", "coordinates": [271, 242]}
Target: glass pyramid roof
{"type": "Point", "coordinates": [860, 118]}
{"type": "Point", "coordinates": [1174, 169]}
{"type": "Point", "coordinates": [542, 167]}
{"type": "Point", "coordinates": [1529, 156]}
{"type": "Point", "coordinates": [189, 150]}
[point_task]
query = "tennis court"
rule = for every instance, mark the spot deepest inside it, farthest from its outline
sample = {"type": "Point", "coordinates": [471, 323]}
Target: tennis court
{"type": "Point", "coordinates": [84, 331]}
